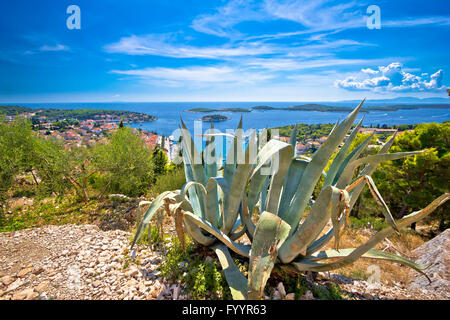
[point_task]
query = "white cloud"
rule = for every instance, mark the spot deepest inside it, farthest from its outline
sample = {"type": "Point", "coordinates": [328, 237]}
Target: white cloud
{"type": "Point", "coordinates": [312, 15]}
{"type": "Point", "coordinates": [288, 64]}
{"type": "Point", "coordinates": [57, 47]}
{"type": "Point", "coordinates": [160, 45]}
{"type": "Point", "coordinates": [394, 78]}
{"type": "Point", "coordinates": [195, 75]}
{"type": "Point", "coordinates": [315, 14]}
{"type": "Point", "coordinates": [416, 22]}
{"type": "Point", "coordinates": [221, 22]}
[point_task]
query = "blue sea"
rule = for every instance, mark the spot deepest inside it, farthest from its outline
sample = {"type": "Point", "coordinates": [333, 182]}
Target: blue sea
{"type": "Point", "coordinates": [169, 114]}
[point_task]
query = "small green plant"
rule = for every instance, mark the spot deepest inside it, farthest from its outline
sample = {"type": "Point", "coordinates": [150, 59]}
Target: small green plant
{"type": "Point", "coordinates": [172, 266]}
{"type": "Point", "coordinates": [329, 291]}
{"type": "Point", "coordinates": [206, 280]}
{"type": "Point", "coordinates": [155, 239]}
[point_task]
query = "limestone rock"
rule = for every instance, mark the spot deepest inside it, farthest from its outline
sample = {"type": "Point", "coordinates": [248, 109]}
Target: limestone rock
{"type": "Point", "coordinates": [436, 254]}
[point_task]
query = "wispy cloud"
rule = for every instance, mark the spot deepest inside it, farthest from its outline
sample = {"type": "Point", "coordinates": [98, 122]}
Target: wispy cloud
{"type": "Point", "coordinates": [296, 64]}
{"type": "Point", "coordinates": [417, 22]}
{"type": "Point", "coordinates": [160, 45]}
{"type": "Point", "coordinates": [221, 23]}
{"type": "Point", "coordinates": [57, 47]}
{"type": "Point", "coordinates": [196, 75]}
{"type": "Point", "coordinates": [392, 78]}
{"type": "Point", "coordinates": [313, 16]}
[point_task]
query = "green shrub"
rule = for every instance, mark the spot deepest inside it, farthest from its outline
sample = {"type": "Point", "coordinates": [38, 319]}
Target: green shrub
{"type": "Point", "coordinates": [329, 291]}
{"type": "Point", "coordinates": [173, 179]}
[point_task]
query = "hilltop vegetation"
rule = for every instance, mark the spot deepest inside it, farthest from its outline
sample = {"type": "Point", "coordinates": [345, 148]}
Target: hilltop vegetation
{"type": "Point", "coordinates": [55, 115]}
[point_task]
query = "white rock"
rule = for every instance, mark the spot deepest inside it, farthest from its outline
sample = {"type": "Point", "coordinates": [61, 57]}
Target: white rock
{"type": "Point", "coordinates": [281, 289]}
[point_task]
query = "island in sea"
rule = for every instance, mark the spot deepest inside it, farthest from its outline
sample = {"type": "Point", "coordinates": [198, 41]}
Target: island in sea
{"type": "Point", "coordinates": [324, 108]}
{"type": "Point", "coordinates": [214, 118]}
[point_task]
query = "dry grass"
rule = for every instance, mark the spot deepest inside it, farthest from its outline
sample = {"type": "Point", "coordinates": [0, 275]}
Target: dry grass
{"type": "Point", "coordinates": [401, 244]}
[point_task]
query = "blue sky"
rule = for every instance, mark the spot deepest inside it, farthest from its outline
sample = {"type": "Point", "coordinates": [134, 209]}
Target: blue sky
{"type": "Point", "coordinates": [272, 50]}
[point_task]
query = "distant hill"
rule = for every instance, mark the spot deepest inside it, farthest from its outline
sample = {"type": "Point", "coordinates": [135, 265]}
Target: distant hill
{"type": "Point", "coordinates": [327, 108]}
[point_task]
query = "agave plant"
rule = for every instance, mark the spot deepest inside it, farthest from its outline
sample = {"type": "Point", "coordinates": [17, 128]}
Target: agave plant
{"type": "Point", "coordinates": [216, 205]}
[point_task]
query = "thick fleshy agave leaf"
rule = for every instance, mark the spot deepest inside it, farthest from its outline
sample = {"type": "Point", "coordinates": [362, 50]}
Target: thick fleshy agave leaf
{"type": "Point", "coordinates": [262, 138]}
{"type": "Point", "coordinates": [315, 168]}
{"type": "Point", "coordinates": [239, 182]}
{"type": "Point", "coordinates": [309, 230]}
{"type": "Point", "coordinates": [193, 198]}
{"type": "Point", "coordinates": [280, 166]}
{"type": "Point", "coordinates": [371, 254]}
{"type": "Point", "coordinates": [347, 175]}
{"type": "Point", "coordinates": [196, 232]}
{"type": "Point", "coordinates": [234, 152]}
{"type": "Point", "coordinates": [349, 159]}
{"type": "Point", "coordinates": [293, 140]}
{"type": "Point", "coordinates": [210, 156]}
{"type": "Point", "coordinates": [194, 171]}
{"type": "Point", "coordinates": [372, 242]}
{"type": "Point", "coordinates": [235, 279]}
{"type": "Point", "coordinates": [156, 204]}
{"type": "Point", "coordinates": [246, 218]}
{"type": "Point", "coordinates": [187, 188]}
{"type": "Point", "coordinates": [270, 149]}
{"type": "Point", "coordinates": [264, 191]}
{"type": "Point", "coordinates": [339, 159]}
{"type": "Point", "coordinates": [270, 234]}
{"type": "Point", "coordinates": [291, 182]}
{"type": "Point", "coordinates": [243, 250]}
{"type": "Point", "coordinates": [338, 219]}
{"type": "Point", "coordinates": [192, 155]}
{"type": "Point", "coordinates": [212, 208]}
{"type": "Point", "coordinates": [254, 190]}
{"type": "Point", "coordinates": [259, 183]}
{"type": "Point", "coordinates": [223, 192]}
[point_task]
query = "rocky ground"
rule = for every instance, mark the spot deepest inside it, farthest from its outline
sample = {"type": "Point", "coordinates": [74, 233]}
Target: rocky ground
{"type": "Point", "coordinates": [83, 262]}
{"type": "Point", "coordinates": [78, 262]}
